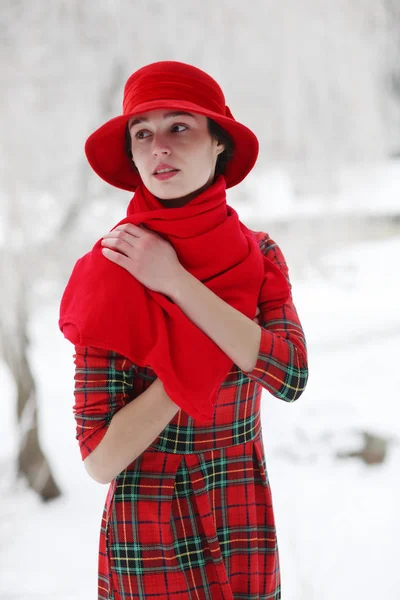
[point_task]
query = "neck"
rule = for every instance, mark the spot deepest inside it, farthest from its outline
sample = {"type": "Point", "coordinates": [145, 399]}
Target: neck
{"type": "Point", "coordinates": [183, 200]}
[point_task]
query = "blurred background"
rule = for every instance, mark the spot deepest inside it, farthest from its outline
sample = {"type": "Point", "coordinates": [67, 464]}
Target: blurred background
{"type": "Point", "coordinates": [319, 83]}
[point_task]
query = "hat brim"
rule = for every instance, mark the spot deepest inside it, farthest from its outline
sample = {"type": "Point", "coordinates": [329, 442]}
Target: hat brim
{"type": "Point", "coordinates": [105, 147]}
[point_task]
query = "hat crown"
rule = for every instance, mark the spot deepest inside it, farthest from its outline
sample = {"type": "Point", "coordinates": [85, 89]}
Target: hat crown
{"type": "Point", "coordinates": [172, 80]}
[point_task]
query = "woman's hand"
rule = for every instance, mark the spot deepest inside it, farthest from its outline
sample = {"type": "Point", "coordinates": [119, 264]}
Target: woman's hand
{"type": "Point", "coordinates": [257, 318]}
{"type": "Point", "coordinates": [145, 255]}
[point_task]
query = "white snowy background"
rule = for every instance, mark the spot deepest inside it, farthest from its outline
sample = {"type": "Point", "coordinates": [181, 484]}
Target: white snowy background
{"type": "Point", "coordinates": [317, 81]}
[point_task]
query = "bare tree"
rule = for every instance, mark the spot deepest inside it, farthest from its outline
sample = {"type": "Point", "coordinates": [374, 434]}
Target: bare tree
{"type": "Point", "coordinates": [393, 79]}
{"type": "Point", "coordinates": [35, 240]}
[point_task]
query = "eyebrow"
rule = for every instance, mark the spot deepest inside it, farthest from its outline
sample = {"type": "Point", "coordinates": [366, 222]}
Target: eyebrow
{"type": "Point", "coordinates": [166, 116]}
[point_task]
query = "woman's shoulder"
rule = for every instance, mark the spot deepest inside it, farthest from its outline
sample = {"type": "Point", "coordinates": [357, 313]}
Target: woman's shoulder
{"type": "Point", "coordinates": [264, 241]}
{"type": "Point", "coordinates": [270, 249]}
{"type": "Point", "coordinates": [261, 236]}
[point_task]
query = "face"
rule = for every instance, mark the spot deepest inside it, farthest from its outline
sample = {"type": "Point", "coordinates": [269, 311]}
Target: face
{"type": "Point", "coordinates": [174, 153]}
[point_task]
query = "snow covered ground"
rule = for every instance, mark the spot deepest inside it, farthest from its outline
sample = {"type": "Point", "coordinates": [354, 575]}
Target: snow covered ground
{"type": "Point", "coordinates": [337, 519]}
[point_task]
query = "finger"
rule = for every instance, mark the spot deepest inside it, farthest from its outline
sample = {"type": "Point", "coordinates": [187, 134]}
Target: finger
{"type": "Point", "coordinates": [118, 244]}
{"type": "Point", "coordinates": [132, 229]}
{"type": "Point", "coordinates": [121, 235]}
{"type": "Point", "coordinates": [116, 257]}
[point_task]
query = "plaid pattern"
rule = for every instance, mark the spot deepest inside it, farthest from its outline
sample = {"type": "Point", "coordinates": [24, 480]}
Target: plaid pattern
{"type": "Point", "coordinates": [192, 516]}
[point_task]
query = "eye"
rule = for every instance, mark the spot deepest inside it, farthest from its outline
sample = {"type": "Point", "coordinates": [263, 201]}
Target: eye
{"type": "Point", "coordinates": [142, 134]}
{"type": "Point", "coordinates": [178, 127]}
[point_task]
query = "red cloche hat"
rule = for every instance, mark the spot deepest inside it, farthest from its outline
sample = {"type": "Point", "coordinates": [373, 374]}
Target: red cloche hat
{"type": "Point", "coordinates": [167, 84]}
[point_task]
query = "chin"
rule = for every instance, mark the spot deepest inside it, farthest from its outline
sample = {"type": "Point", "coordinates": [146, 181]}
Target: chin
{"type": "Point", "coordinates": [175, 190]}
{"type": "Point", "coordinates": [169, 193]}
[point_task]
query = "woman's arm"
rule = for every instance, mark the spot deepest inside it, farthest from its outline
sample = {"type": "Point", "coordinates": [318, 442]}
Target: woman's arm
{"type": "Point", "coordinates": [237, 335]}
{"type": "Point", "coordinates": [282, 366]}
{"type": "Point", "coordinates": [274, 354]}
{"type": "Point", "coordinates": [131, 431]}
{"type": "Point", "coordinates": [112, 430]}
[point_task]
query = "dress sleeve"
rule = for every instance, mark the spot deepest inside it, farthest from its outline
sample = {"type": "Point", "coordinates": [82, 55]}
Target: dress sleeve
{"type": "Point", "coordinates": [103, 385]}
{"type": "Point", "coordinates": [281, 366]}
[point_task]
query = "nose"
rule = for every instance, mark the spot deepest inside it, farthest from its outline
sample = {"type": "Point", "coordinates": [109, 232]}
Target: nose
{"type": "Point", "coordinates": [160, 147]}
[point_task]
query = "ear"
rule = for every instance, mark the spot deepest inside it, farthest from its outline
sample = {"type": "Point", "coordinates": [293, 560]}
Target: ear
{"type": "Point", "coordinates": [220, 147]}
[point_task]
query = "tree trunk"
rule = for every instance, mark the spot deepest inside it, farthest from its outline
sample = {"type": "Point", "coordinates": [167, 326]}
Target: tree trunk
{"type": "Point", "coordinates": [14, 343]}
{"type": "Point", "coordinates": [32, 462]}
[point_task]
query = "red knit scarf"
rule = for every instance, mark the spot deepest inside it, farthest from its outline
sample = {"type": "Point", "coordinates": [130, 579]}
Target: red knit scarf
{"type": "Point", "coordinates": [105, 306]}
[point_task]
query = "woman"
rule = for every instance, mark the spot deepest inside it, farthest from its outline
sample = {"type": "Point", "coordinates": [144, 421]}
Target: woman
{"type": "Point", "coordinates": [180, 316]}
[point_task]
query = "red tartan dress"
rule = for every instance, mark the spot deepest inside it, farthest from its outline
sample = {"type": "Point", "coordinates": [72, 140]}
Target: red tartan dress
{"type": "Point", "coordinates": [192, 516]}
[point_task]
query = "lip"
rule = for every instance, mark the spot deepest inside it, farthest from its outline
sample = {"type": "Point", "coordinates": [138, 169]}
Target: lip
{"type": "Point", "coordinates": [163, 176]}
{"type": "Point", "coordinates": [163, 166]}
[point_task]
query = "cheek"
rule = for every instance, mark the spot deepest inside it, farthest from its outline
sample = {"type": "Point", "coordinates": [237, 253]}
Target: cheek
{"type": "Point", "coordinates": [210, 157]}
{"type": "Point", "coordinates": [139, 157]}
{"type": "Point", "coordinates": [204, 153]}
{"type": "Point", "coordinates": [136, 152]}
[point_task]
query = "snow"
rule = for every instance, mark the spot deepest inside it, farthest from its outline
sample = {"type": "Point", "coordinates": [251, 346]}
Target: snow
{"type": "Point", "coordinates": [337, 518]}
{"type": "Point", "coordinates": [364, 190]}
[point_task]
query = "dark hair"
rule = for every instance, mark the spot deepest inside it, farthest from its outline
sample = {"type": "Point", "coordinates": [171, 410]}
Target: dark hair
{"type": "Point", "coordinates": [218, 133]}
{"type": "Point", "coordinates": [215, 130]}
{"type": "Point", "coordinates": [128, 145]}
